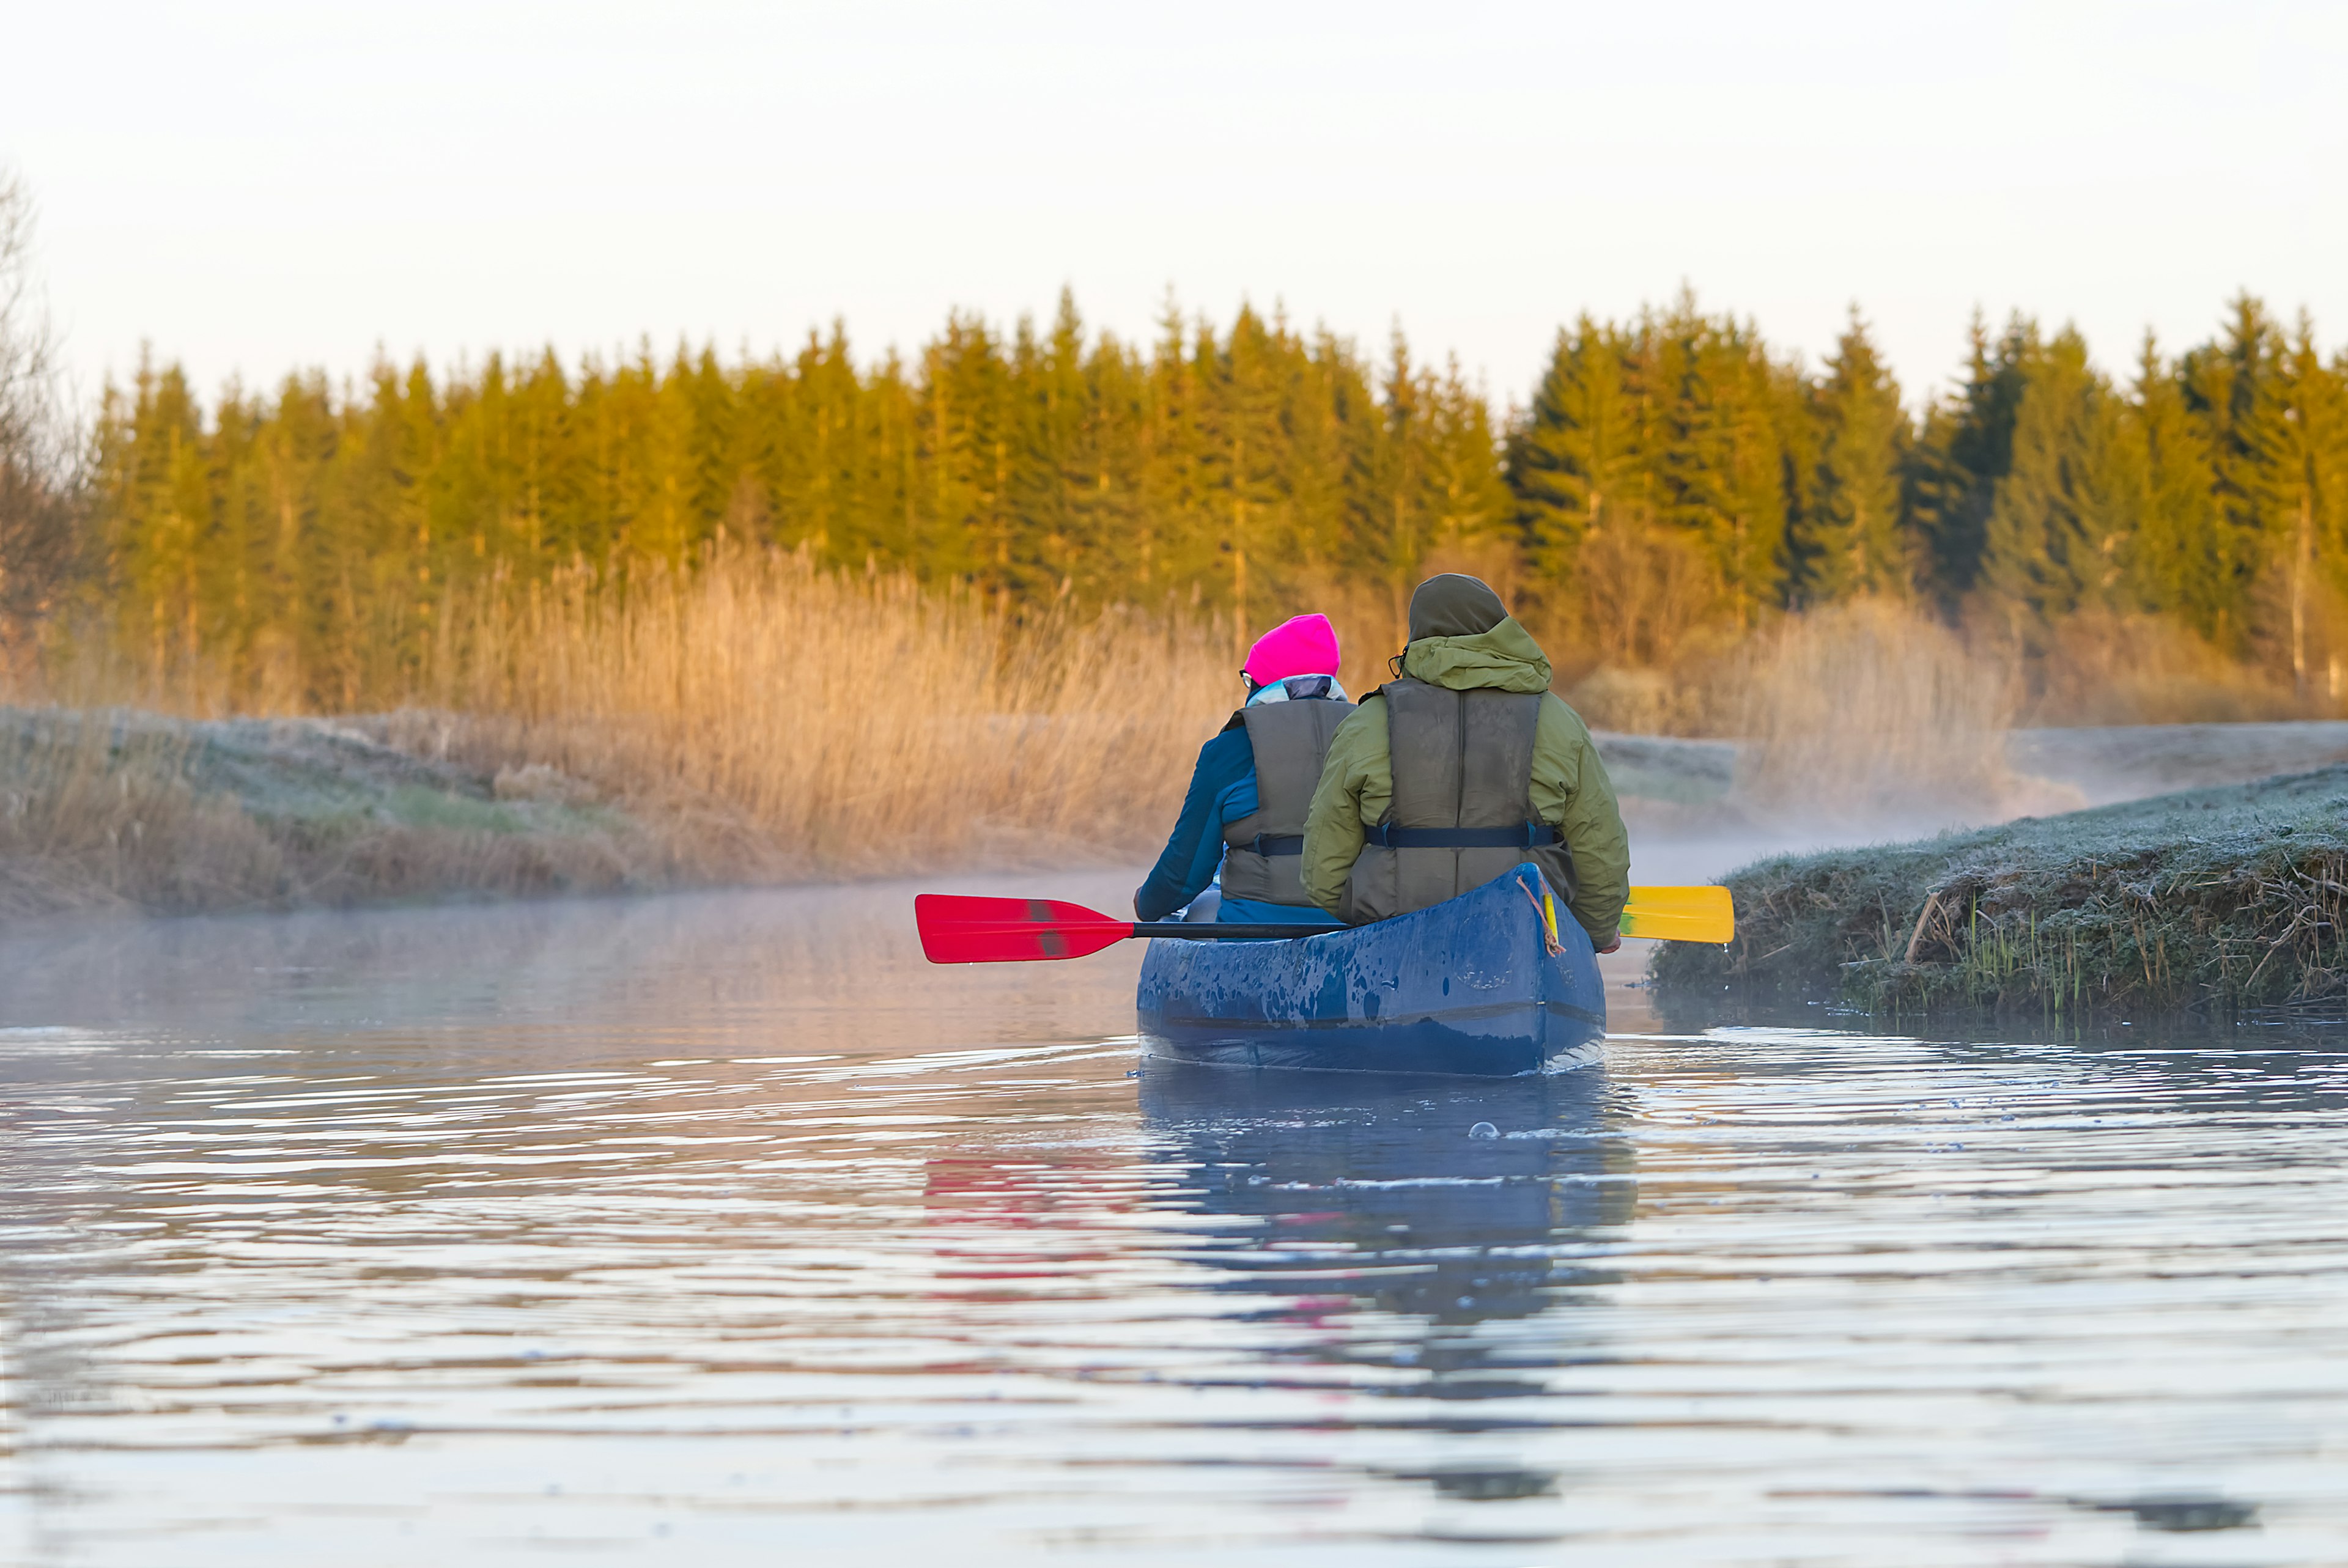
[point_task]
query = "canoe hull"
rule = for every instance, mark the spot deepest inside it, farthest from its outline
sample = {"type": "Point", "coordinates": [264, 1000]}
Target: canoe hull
{"type": "Point", "coordinates": [1464, 987]}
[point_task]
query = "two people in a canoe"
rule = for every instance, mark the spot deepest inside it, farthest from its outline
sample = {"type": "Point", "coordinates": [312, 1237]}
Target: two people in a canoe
{"type": "Point", "coordinates": [1460, 769]}
{"type": "Point", "coordinates": [1248, 796]}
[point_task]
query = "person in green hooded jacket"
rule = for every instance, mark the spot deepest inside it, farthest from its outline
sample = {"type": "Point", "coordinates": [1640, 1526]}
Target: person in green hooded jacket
{"type": "Point", "coordinates": [1462, 769]}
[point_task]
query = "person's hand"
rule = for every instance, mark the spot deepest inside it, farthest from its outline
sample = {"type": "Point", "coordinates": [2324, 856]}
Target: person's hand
{"type": "Point", "coordinates": [1614, 944]}
{"type": "Point", "coordinates": [1136, 906]}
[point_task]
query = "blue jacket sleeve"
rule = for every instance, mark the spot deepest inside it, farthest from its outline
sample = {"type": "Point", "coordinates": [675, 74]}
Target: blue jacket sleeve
{"type": "Point", "coordinates": [1188, 862]}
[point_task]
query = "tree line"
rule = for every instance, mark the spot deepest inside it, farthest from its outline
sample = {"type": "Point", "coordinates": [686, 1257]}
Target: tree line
{"type": "Point", "coordinates": [1673, 474]}
{"type": "Point", "coordinates": [1673, 482]}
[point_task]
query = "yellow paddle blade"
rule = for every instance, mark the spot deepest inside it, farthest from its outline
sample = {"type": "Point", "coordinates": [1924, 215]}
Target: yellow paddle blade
{"type": "Point", "coordinates": [1680, 915]}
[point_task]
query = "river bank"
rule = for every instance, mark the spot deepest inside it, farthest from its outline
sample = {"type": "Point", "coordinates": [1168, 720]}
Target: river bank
{"type": "Point", "coordinates": [130, 812]}
{"type": "Point", "coordinates": [2217, 899]}
{"type": "Point", "coordinates": [134, 813]}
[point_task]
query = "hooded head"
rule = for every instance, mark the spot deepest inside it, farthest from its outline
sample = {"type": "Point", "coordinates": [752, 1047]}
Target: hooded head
{"type": "Point", "coordinates": [1463, 637]}
{"type": "Point", "coordinates": [1452, 605]}
{"type": "Point", "coordinates": [1303, 645]}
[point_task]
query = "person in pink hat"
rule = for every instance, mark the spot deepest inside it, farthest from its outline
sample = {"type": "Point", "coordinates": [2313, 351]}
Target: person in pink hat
{"type": "Point", "coordinates": [1245, 809]}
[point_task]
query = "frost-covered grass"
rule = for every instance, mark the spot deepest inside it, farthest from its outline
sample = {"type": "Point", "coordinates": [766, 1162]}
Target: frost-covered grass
{"type": "Point", "coordinates": [131, 811]}
{"type": "Point", "coordinates": [2216, 898]}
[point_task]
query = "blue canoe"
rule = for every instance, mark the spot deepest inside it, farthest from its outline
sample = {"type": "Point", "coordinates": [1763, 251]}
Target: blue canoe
{"type": "Point", "coordinates": [1466, 986]}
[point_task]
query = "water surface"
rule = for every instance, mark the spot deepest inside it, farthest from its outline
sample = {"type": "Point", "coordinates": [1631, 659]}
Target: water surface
{"type": "Point", "coordinates": [721, 1229]}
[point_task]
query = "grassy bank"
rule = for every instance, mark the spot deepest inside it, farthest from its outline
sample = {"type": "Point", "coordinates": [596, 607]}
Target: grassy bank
{"type": "Point", "coordinates": [2220, 898]}
{"type": "Point", "coordinates": [117, 810]}
{"type": "Point", "coordinates": [131, 812]}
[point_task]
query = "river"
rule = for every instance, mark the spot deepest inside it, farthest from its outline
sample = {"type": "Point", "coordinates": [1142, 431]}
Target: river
{"type": "Point", "coordinates": [721, 1229]}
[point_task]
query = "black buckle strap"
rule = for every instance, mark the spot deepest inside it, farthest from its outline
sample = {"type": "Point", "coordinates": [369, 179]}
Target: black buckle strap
{"type": "Point", "coordinates": [1526, 835]}
{"type": "Point", "coordinates": [1271, 844]}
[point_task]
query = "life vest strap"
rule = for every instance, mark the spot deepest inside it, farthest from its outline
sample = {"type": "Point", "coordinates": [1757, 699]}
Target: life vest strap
{"type": "Point", "coordinates": [1531, 835]}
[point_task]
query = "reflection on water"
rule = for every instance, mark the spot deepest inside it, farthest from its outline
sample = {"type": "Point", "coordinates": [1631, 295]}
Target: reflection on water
{"type": "Point", "coordinates": [724, 1226]}
{"type": "Point", "coordinates": [1395, 1221]}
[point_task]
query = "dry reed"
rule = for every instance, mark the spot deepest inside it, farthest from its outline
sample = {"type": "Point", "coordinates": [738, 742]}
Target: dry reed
{"type": "Point", "coordinates": [1871, 709]}
{"type": "Point", "coordinates": [837, 725]}
{"type": "Point", "coordinates": [2103, 668]}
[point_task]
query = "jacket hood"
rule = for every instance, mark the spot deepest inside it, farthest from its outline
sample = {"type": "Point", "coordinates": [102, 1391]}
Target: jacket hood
{"type": "Point", "coordinates": [1505, 659]}
{"type": "Point", "coordinates": [1451, 604]}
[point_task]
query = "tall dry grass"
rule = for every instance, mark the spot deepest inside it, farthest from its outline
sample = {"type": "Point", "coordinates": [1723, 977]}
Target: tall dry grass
{"type": "Point", "coordinates": [839, 725]}
{"type": "Point", "coordinates": [1871, 709]}
{"type": "Point", "coordinates": [771, 715]}
{"type": "Point", "coordinates": [2100, 667]}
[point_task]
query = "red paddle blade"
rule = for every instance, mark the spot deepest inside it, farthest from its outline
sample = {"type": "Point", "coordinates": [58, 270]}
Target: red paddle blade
{"type": "Point", "coordinates": [959, 931]}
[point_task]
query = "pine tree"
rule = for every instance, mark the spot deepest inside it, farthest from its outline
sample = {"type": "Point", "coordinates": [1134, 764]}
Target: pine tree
{"type": "Point", "coordinates": [1467, 500]}
{"type": "Point", "coordinates": [2058, 537]}
{"type": "Point", "coordinates": [2232, 389]}
{"type": "Point", "coordinates": [966, 529]}
{"type": "Point", "coordinates": [1324, 404]}
{"type": "Point", "coordinates": [1574, 449]}
{"type": "Point", "coordinates": [1108, 472]}
{"type": "Point", "coordinates": [1950, 477]}
{"type": "Point", "coordinates": [2176, 558]}
{"type": "Point", "coordinates": [1720, 457]}
{"type": "Point", "coordinates": [1244, 460]}
{"type": "Point", "coordinates": [301, 452]}
{"type": "Point", "coordinates": [1851, 540]}
{"type": "Point", "coordinates": [155, 503]}
{"type": "Point", "coordinates": [1052, 399]}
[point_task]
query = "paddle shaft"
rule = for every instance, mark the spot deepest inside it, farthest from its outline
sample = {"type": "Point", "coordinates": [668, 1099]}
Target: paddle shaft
{"type": "Point", "coordinates": [1230, 932]}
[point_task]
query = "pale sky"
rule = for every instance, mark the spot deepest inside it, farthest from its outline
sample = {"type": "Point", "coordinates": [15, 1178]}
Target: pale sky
{"type": "Point", "coordinates": [255, 187]}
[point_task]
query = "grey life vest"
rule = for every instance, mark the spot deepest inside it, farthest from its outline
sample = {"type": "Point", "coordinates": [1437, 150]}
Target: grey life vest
{"type": "Point", "coordinates": [1462, 811]}
{"type": "Point", "coordinates": [1264, 855]}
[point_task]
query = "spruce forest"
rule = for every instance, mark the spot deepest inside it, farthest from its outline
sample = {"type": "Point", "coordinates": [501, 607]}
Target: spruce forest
{"type": "Point", "coordinates": [1672, 483]}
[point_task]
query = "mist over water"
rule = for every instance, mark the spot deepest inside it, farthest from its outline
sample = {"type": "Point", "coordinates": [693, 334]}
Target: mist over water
{"type": "Point", "coordinates": [722, 1225]}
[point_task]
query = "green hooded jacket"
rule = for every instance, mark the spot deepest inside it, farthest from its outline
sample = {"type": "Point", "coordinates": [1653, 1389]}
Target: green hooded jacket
{"type": "Point", "coordinates": [1571, 790]}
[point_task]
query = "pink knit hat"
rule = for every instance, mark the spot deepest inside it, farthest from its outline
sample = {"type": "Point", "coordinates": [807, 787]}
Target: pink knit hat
{"type": "Point", "coordinates": [1301, 645]}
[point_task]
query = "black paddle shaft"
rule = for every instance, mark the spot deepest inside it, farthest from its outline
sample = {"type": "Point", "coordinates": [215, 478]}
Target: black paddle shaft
{"type": "Point", "coordinates": [1212, 931]}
